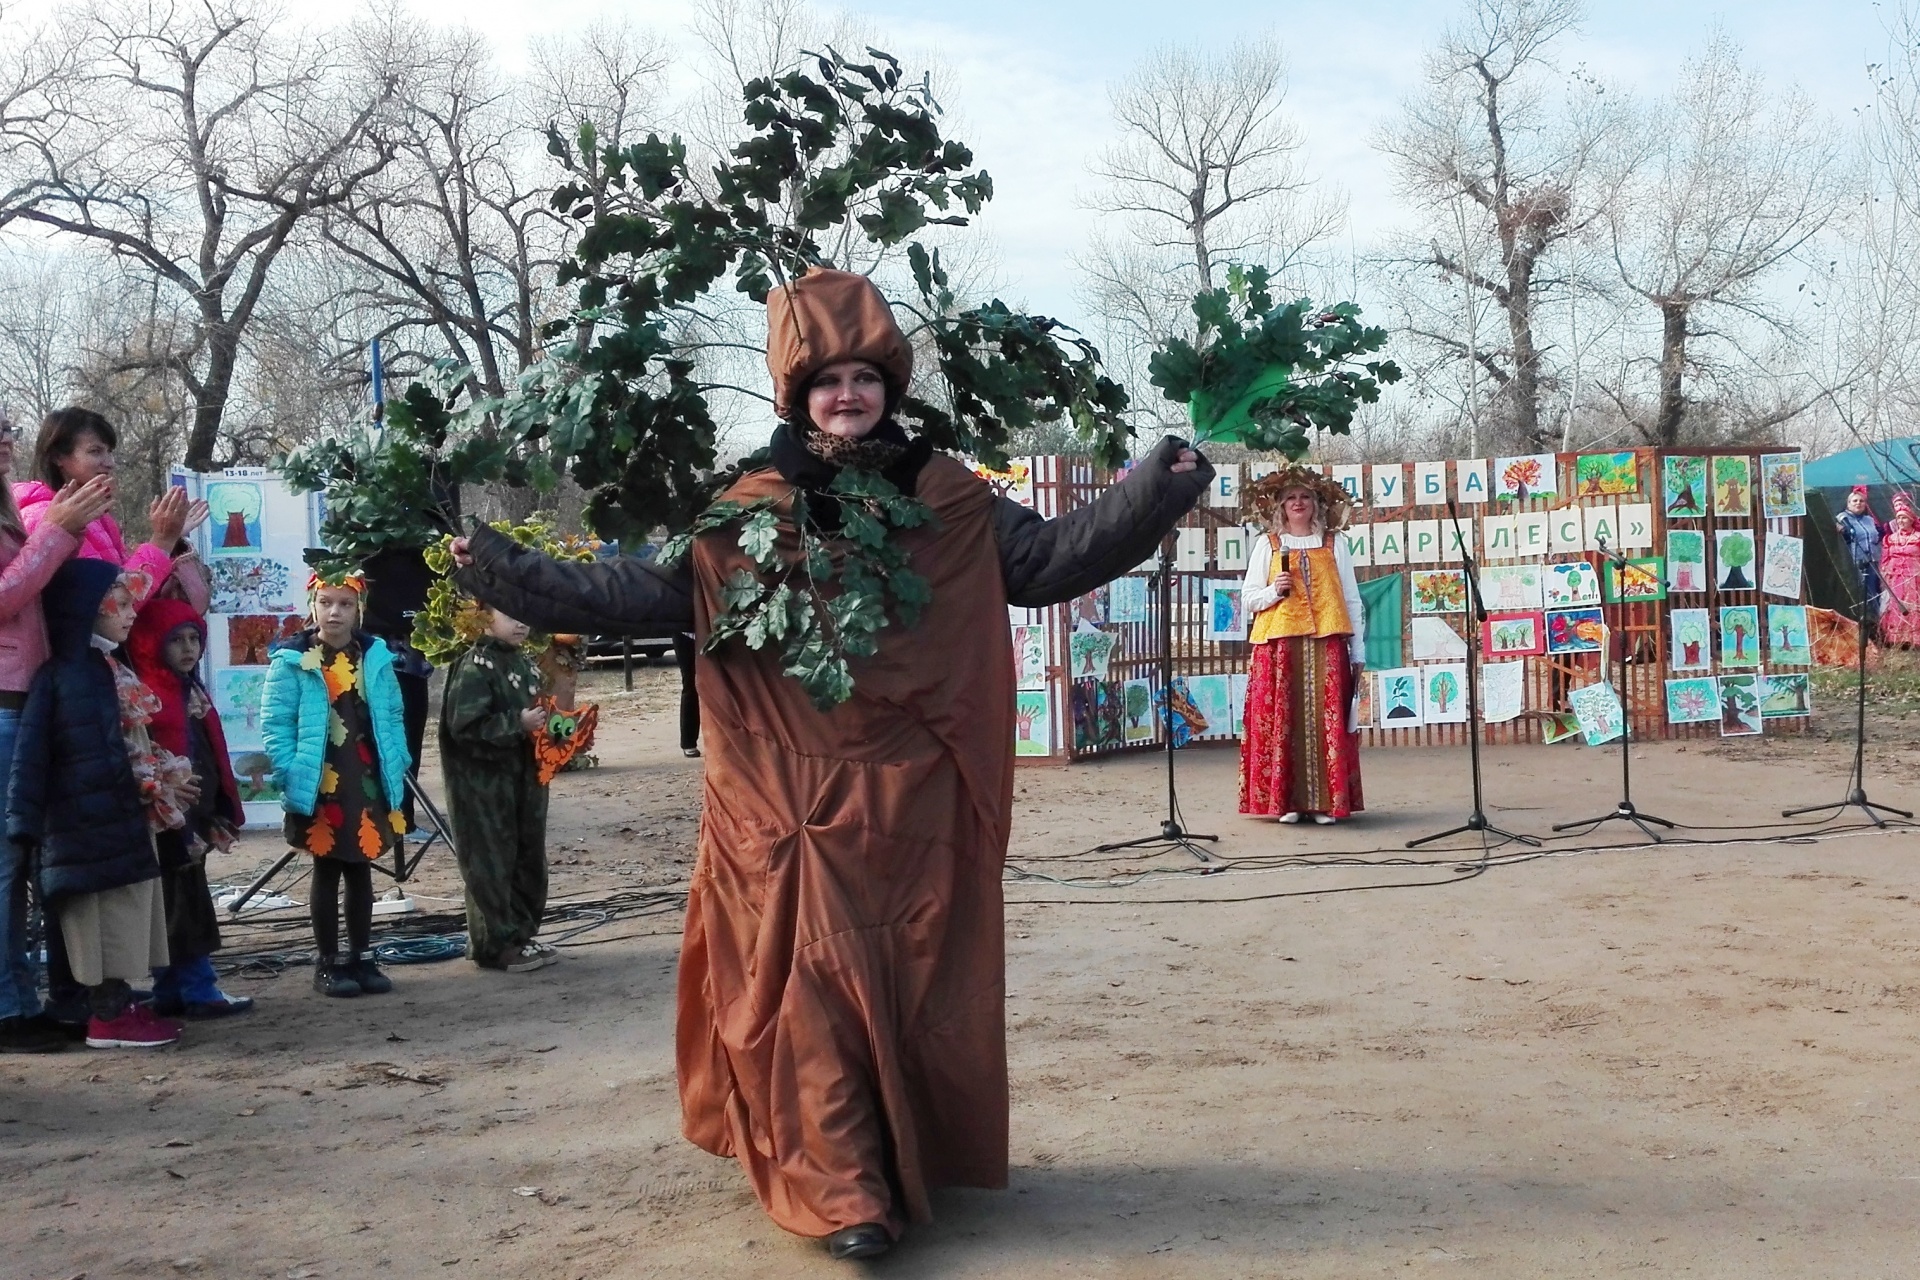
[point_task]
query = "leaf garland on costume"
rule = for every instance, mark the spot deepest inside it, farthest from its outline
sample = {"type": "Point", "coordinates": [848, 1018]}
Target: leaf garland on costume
{"type": "Point", "coordinates": [791, 602]}
{"type": "Point", "coordinates": [451, 620]}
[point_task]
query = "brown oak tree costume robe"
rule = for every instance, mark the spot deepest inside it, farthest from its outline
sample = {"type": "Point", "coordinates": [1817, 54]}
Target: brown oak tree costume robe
{"type": "Point", "coordinates": [841, 1028]}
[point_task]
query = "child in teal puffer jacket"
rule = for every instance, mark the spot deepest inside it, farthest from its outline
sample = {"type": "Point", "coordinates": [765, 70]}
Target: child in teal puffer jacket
{"type": "Point", "coordinates": [336, 733]}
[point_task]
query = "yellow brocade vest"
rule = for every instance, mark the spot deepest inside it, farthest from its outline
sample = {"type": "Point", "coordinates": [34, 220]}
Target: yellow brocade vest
{"type": "Point", "coordinates": [1315, 607]}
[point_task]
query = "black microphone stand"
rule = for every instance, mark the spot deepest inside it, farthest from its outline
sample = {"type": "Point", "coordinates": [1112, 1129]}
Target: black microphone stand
{"type": "Point", "coordinates": [1172, 834]}
{"type": "Point", "coordinates": [1857, 779]}
{"type": "Point", "coordinates": [1625, 810]}
{"type": "Point", "coordinates": [1477, 616]}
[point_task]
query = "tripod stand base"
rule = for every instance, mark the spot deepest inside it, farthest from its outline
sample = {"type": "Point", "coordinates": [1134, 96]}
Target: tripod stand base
{"type": "Point", "coordinates": [1856, 799]}
{"type": "Point", "coordinates": [1476, 821]}
{"type": "Point", "coordinates": [1623, 812]}
{"type": "Point", "coordinates": [1171, 835]}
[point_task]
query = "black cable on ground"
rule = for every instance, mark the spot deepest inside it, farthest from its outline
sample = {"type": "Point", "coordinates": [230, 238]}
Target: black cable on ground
{"type": "Point", "coordinates": [1467, 871]}
{"type": "Point", "coordinates": [263, 942]}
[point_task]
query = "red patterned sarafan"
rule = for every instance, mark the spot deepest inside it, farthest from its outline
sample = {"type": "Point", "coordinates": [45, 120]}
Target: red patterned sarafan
{"type": "Point", "coordinates": [1296, 753]}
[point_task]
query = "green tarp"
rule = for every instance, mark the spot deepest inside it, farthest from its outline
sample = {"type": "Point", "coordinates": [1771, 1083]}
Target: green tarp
{"type": "Point", "coordinates": [1384, 600]}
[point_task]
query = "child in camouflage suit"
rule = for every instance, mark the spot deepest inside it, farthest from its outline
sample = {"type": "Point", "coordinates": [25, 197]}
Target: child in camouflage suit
{"type": "Point", "coordinates": [495, 797]}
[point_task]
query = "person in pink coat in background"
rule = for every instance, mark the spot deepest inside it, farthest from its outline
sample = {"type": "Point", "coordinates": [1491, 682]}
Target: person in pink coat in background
{"type": "Point", "coordinates": [78, 444]}
{"type": "Point", "coordinates": [26, 562]}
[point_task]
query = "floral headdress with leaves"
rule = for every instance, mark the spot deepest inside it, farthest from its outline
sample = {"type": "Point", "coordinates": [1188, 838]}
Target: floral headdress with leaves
{"type": "Point", "coordinates": [320, 580]}
{"type": "Point", "coordinates": [1262, 497]}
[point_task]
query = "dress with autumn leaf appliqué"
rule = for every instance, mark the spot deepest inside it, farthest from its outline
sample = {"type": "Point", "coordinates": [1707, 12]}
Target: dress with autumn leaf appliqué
{"type": "Point", "coordinates": [351, 817]}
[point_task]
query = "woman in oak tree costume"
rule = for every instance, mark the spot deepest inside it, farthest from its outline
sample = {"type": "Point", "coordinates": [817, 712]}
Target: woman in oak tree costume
{"type": "Point", "coordinates": [842, 981]}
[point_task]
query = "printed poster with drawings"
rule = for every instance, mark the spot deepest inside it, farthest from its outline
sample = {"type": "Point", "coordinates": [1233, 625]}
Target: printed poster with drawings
{"type": "Point", "coordinates": [254, 544]}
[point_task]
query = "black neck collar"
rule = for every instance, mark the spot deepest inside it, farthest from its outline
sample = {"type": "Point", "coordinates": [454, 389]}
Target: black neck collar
{"type": "Point", "coordinates": [802, 468]}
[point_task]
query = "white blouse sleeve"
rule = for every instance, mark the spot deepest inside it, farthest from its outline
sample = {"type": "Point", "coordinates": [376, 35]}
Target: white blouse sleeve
{"type": "Point", "coordinates": [1350, 588]}
{"type": "Point", "coordinates": [1257, 595]}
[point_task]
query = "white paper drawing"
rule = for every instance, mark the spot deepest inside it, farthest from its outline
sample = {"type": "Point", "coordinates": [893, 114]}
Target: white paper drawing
{"type": "Point", "coordinates": [1781, 574]}
{"type": "Point", "coordinates": [1435, 641]}
{"type": "Point", "coordinates": [1503, 691]}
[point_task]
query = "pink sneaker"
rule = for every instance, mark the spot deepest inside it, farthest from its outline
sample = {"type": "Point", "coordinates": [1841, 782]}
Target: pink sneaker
{"type": "Point", "coordinates": [135, 1028]}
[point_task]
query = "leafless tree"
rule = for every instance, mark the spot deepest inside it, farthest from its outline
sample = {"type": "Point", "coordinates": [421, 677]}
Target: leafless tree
{"type": "Point", "coordinates": [207, 140]}
{"type": "Point", "coordinates": [1872, 334]}
{"type": "Point", "coordinates": [1737, 179]}
{"type": "Point", "coordinates": [1208, 171]}
{"type": "Point", "coordinates": [1507, 172]}
{"type": "Point", "coordinates": [37, 103]}
{"type": "Point", "coordinates": [455, 242]}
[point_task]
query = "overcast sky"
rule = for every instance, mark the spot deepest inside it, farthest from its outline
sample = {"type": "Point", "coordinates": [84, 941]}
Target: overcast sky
{"type": "Point", "coordinates": [1030, 77]}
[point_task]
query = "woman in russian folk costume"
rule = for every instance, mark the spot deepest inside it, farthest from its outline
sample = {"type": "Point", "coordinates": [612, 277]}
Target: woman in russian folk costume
{"type": "Point", "coordinates": [1299, 754]}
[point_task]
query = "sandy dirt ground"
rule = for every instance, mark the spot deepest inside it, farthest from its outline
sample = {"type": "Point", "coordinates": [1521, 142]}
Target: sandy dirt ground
{"type": "Point", "coordinates": [1690, 1060]}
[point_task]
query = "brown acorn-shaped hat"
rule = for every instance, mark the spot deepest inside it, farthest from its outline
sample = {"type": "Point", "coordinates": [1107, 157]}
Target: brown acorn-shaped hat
{"type": "Point", "coordinates": [822, 318]}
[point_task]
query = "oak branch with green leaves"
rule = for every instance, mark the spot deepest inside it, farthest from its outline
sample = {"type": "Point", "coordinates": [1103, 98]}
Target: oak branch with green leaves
{"type": "Point", "coordinates": [1264, 375]}
{"type": "Point", "coordinates": [839, 155]}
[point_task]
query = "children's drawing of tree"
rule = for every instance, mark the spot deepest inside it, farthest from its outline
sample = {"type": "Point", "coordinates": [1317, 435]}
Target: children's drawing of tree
{"type": "Point", "coordinates": [1690, 704]}
{"type": "Point", "coordinates": [1737, 703]}
{"type": "Point", "coordinates": [1790, 690]}
{"type": "Point", "coordinates": [1090, 650]}
{"type": "Point", "coordinates": [1508, 636]}
{"type": "Point", "coordinates": [248, 584]}
{"type": "Point", "coordinates": [234, 506]}
{"type": "Point", "coordinates": [1521, 473]}
{"type": "Point", "coordinates": [1736, 553]}
{"type": "Point", "coordinates": [1443, 690]}
{"type": "Point", "coordinates": [1686, 485]}
{"type": "Point", "coordinates": [1692, 635]}
{"type": "Point", "coordinates": [1742, 627]}
{"type": "Point", "coordinates": [1400, 693]}
{"type": "Point", "coordinates": [1139, 706]}
{"type": "Point", "coordinates": [1783, 484]}
{"type": "Point", "coordinates": [1024, 714]}
{"type": "Point", "coordinates": [1730, 479]}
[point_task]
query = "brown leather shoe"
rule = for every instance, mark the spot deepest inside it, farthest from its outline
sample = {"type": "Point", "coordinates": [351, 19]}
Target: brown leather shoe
{"type": "Point", "coordinates": [868, 1240]}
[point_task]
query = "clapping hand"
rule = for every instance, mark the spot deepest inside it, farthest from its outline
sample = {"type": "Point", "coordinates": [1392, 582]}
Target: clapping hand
{"type": "Point", "coordinates": [78, 505]}
{"type": "Point", "coordinates": [167, 517]}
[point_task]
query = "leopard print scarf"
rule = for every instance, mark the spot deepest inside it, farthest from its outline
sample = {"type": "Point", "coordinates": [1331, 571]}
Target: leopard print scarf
{"type": "Point", "coordinates": [867, 453]}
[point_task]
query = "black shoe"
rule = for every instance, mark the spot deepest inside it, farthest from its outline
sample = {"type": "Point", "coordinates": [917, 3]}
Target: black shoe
{"type": "Point", "coordinates": [691, 753]}
{"type": "Point", "coordinates": [62, 1027]}
{"type": "Point", "coordinates": [335, 977]}
{"type": "Point", "coordinates": [225, 1007]}
{"type": "Point", "coordinates": [367, 974]}
{"type": "Point", "coordinates": [28, 1035]}
{"type": "Point", "coordinates": [868, 1240]}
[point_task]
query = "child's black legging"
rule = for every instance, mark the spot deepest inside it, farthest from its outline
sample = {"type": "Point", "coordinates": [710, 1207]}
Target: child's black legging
{"type": "Point", "coordinates": [328, 875]}
{"type": "Point", "coordinates": [684, 649]}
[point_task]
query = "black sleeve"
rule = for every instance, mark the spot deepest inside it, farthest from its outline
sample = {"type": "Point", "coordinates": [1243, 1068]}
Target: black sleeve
{"type": "Point", "coordinates": [618, 597]}
{"type": "Point", "coordinates": [1046, 561]}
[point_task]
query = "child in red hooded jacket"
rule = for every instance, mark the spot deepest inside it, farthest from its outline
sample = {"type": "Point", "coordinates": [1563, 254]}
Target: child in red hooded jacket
{"type": "Point", "coordinates": [167, 642]}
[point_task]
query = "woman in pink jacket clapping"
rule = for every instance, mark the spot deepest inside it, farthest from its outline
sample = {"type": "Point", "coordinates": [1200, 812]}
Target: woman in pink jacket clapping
{"type": "Point", "coordinates": [78, 445]}
{"type": "Point", "coordinates": [27, 560]}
